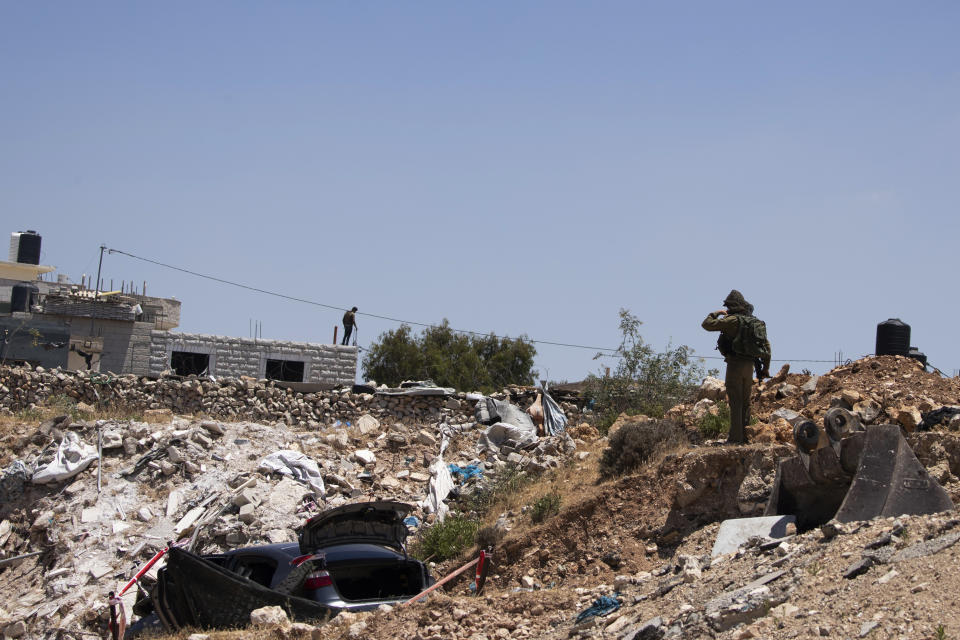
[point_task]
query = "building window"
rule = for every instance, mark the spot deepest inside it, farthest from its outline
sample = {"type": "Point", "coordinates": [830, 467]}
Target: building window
{"type": "Point", "coordinates": [185, 363]}
{"type": "Point", "coordinates": [284, 370]}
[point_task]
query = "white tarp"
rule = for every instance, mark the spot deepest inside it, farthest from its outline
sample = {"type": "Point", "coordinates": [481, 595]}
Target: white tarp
{"type": "Point", "coordinates": [441, 481]}
{"type": "Point", "coordinates": [73, 456]}
{"type": "Point", "coordinates": [502, 433]}
{"type": "Point", "coordinates": [441, 484]}
{"type": "Point", "coordinates": [297, 465]}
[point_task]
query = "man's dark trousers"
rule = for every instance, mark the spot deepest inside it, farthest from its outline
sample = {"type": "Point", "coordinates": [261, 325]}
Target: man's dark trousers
{"type": "Point", "coordinates": [739, 383]}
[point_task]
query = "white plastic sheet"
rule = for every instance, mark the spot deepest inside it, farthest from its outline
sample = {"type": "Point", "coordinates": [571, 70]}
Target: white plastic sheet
{"type": "Point", "coordinates": [441, 481]}
{"type": "Point", "coordinates": [502, 433]}
{"type": "Point", "coordinates": [73, 456]}
{"type": "Point", "coordinates": [297, 465]}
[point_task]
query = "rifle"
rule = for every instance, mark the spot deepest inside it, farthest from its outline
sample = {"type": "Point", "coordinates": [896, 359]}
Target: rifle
{"type": "Point", "coordinates": [758, 367]}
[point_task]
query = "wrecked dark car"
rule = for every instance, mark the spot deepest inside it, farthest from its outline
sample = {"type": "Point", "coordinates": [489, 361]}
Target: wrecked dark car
{"type": "Point", "coordinates": [350, 558]}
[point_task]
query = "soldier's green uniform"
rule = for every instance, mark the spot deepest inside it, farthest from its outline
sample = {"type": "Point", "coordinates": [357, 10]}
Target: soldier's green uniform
{"type": "Point", "coordinates": [739, 378]}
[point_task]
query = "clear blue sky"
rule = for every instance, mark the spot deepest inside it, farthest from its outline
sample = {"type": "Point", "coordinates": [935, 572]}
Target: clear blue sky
{"type": "Point", "coordinates": [515, 167]}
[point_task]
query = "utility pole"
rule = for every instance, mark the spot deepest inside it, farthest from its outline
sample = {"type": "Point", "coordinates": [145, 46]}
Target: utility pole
{"type": "Point", "coordinates": [96, 291]}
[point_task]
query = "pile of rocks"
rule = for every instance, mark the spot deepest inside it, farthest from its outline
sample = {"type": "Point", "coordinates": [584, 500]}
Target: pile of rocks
{"type": "Point", "coordinates": [162, 481]}
{"type": "Point", "coordinates": [874, 390]}
{"type": "Point", "coordinates": [23, 388]}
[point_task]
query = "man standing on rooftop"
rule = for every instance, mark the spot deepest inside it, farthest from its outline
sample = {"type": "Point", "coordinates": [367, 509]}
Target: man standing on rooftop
{"type": "Point", "coordinates": [349, 322]}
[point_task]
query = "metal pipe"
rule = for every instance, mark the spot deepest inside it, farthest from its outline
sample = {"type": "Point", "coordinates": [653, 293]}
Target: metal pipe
{"type": "Point", "coordinates": [99, 458]}
{"type": "Point", "coordinates": [440, 583]}
{"type": "Point", "coordinates": [7, 561]}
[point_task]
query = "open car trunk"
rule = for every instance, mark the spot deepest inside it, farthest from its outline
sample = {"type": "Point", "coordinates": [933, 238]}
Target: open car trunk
{"type": "Point", "coordinates": [379, 522]}
{"type": "Point", "coordinates": [378, 579]}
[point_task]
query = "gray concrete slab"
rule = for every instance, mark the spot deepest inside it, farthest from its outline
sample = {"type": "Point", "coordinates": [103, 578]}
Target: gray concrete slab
{"type": "Point", "coordinates": [737, 531]}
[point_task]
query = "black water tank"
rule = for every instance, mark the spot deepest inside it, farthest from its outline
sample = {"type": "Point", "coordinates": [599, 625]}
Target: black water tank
{"type": "Point", "coordinates": [23, 296]}
{"type": "Point", "coordinates": [916, 354]}
{"type": "Point", "coordinates": [893, 338]}
{"type": "Point", "coordinates": [28, 251]}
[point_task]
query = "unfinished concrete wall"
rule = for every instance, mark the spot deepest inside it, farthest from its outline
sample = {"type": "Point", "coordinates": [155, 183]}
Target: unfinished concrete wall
{"type": "Point", "coordinates": [47, 345]}
{"type": "Point", "coordinates": [322, 363]}
{"type": "Point", "coordinates": [126, 345]}
{"type": "Point", "coordinates": [140, 349]}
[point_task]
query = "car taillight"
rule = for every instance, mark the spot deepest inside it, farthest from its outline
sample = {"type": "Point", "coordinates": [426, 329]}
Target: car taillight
{"type": "Point", "coordinates": [317, 580]}
{"type": "Point", "coordinates": [299, 560]}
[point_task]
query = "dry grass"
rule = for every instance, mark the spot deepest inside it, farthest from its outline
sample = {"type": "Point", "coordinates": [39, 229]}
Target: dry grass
{"type": "Point", "coordinates": [571, 482]}
{"type": "Point", "coordinates": [251, 633]}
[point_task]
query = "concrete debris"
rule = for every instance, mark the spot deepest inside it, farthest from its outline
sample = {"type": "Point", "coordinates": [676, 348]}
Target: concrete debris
{"type": "Point", "coordinates": [72, 457]}
{"type": "Point", "coordinates": [738, 531]}
{"type": "Point", "coordinates": [296, 465]}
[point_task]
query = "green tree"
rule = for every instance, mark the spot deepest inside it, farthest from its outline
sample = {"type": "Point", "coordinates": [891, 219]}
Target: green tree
{"type": "Point", "coordinates": [450, 358]}
{"type": "Point", "coordinates": [644, 380]}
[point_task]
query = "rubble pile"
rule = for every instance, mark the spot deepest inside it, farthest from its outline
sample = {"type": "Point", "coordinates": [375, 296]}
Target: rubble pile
{"type": "Point", "coordinates": [629, 558]}
{"type": "Point", "coordinates": [226, 484]}
{"type": "Point", "coordinates": [875, 390]}
{"type": "Point", "coordinates": [23, 388]}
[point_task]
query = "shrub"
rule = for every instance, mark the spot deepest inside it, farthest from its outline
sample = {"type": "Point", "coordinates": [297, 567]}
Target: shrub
{"type": "Point", "coordinates": [450, 358]}
{"type": "Point", "coordinates": [507, 482]}
{"type": "Point", "coordinates": [713, 426]}
{"type": "Point", "coordinates": [644, 381]}
{"type": "Point", "coordinates": [488, 537]}
{"type": "Point", "coordinates": [447, 539]}
{"type": "Point", "coordinates": [635, 443]}
{"type": "Point", "coordinates": [545, 506]}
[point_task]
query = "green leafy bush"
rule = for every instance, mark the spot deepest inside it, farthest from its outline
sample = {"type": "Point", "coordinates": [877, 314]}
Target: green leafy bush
{"type": "Point", "coordinates": [450, 359]}
{"type": "Point", "coordinates": [447, 539]}
{"type": "Point", "coordinates": [545, 506]}
{"type": "Point", "coordinates": [644, 381]}
{"type": "Point", "coordinates": [713, 426]}
{"type": "Point", "coordinates": [635, 443]}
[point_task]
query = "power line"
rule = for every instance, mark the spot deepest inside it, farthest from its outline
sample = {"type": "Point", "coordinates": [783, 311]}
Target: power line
{"type": "Point", "coordinates": [381, 317]}
{"type": "Point", "coordinates": [334, 307]}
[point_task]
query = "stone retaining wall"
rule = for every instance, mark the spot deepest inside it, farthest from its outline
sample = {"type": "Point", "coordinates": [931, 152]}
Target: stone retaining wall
{"type": "Point", "coordinates": [23, 388]}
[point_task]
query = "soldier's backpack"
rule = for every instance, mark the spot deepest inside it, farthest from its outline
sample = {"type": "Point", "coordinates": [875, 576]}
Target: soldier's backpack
{"type": "Point", "coordinates": [751, 339]}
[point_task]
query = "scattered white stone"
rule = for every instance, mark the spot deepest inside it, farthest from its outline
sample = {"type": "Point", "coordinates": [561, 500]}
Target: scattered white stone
{"type": "Point", "coordinates": [247, 514]}
{"type": "Point", "coordinates": [424, 437]}
{"type": "Point", "coordinates": [269, 616]}
{"type": "Point", "coordinates": [367, 424]}
{"type": "Point", "coordinates": [364, 456]}
{"type": "Point", "coordinates": [888, 576]}
{"type": "Point", "coordinates": [90, 514]}
{"type": "Point", "coordinates": [99, 570]}
{"type": "Point", "coordinates": [213, 427]}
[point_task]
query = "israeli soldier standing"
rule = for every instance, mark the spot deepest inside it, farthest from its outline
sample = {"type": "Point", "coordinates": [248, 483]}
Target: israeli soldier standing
{"type": "Point", "coordinates": [745, 348]}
